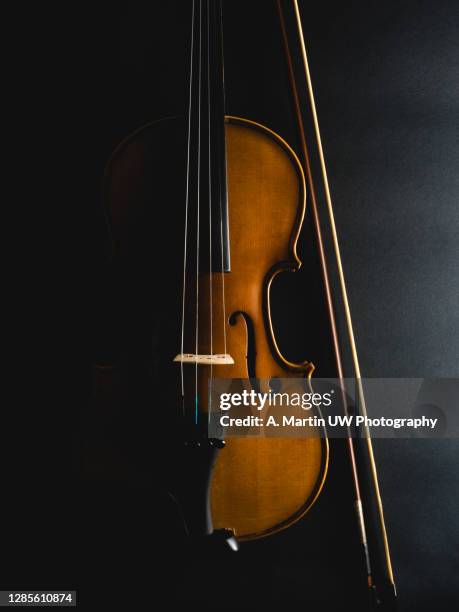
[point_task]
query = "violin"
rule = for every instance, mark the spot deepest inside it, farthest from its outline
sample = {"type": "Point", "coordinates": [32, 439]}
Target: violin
{"type": "Point", "coordinates": [237, 202]}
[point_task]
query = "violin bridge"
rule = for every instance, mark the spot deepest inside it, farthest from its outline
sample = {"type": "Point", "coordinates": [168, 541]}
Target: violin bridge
{"type": "Point", "coordinates": [204, 359]}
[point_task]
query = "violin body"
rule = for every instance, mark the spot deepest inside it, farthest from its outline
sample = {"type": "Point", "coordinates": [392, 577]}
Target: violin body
{"type": "Point", "coordinates": [258, 485]}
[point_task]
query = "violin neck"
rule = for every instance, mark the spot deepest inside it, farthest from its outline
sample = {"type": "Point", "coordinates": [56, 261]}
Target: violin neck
{"type": "Point", "coordinates": [208, 199]}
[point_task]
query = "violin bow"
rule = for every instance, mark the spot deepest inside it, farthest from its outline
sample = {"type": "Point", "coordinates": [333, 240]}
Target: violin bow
{"type": "Point", "coordinates": [344, 296]}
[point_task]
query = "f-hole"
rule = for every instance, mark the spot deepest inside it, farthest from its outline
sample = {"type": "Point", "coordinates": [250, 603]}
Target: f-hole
{"type": "Point", "coordinates": [250, 349]}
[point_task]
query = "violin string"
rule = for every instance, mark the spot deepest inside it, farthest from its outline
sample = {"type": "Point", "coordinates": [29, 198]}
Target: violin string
{"type": "Point", "coordinates": [220, 17]}
{"type": "Point", "coordinates": [186, 202]}
{"type": "Point", "coordinates": [210, 190]}
{"type": "Point", "coordinates": [198, 212]}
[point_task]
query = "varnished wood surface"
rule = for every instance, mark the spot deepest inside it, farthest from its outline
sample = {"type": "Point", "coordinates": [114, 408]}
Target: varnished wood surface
{"type": "Point", "coordinates": [262, 485]}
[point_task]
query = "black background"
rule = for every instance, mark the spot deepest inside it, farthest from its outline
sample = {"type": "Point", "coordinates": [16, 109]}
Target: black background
{"type": "Point", "coordinates": [385, 78]}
